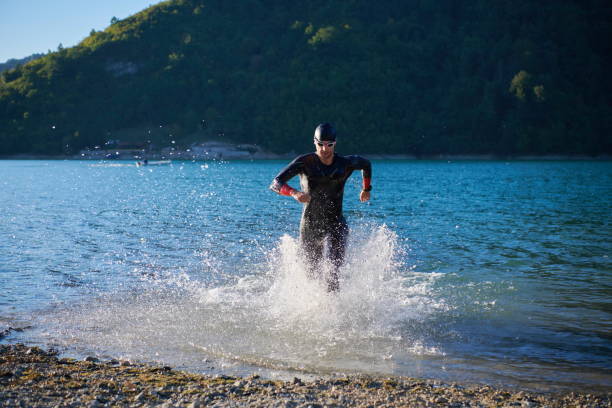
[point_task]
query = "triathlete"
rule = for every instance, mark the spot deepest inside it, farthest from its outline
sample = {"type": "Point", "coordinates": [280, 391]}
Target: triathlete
{"type": "Point", "coordinates": [322, 178]}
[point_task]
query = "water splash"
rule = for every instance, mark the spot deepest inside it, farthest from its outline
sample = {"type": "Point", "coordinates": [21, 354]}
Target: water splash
{"type": "Point", "coordinates": [277, 317]}
{"type": "Point", "coordinates": [377, 293]}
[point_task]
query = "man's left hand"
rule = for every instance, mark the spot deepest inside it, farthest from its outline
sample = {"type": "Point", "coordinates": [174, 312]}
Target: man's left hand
{"type": "Point", "coordinates": [364, 196]}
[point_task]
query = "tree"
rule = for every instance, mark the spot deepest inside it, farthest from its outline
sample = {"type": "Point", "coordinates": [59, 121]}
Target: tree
{"type": "Point", "coordinates": [520, 84]}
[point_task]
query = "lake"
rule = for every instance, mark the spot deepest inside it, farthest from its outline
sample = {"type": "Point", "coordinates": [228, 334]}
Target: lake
{"type": "Point", "coordinates": [475, 271]}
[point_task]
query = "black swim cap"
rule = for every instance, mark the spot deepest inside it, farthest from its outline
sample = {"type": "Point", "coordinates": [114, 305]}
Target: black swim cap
{"type": "Point", "coordinates": [326, 132]}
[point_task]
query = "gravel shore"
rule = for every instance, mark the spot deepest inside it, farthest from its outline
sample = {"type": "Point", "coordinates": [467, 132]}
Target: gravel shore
{"type": "Point", "coordinates": [31, 377]}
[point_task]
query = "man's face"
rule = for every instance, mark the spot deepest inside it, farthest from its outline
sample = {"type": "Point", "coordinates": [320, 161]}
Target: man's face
{"type": "Point", "coordinates": [325, 149]}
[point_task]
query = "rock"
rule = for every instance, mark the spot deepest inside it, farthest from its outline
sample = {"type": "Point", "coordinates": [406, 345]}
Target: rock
{"type": "Point", "coordinates": [197, 403]}
{"type": "Point", "coordinates": [66, 360]}
{"type": "Point", "coordinates": [33, 350]}
{"type": "Point", "coordinates": [297, 381]}
{"type": "Point", "coordinates": [101, 399]}
{"type": "Point", "coordinates": [223, 377]}
{"type": "Point", "coordinates": [125, 363]}
{"type": "Point", "coordinates": [91, 359]}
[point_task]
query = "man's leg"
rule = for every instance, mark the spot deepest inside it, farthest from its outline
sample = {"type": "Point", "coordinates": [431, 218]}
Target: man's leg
{"type": "Point", "coordinates": [312, 240]}
{"type": "Point", "coordinates": [337, 248]}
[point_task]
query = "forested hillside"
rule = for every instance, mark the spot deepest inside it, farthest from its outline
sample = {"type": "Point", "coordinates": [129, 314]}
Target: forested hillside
{"type": "Point", "coordinates": [12, 63]}
{"type": "Point", "coordinates": [415, 77]}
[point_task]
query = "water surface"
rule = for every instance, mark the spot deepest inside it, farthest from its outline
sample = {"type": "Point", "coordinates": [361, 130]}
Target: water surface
{"type": "Point", "coordinates": [495, 272]}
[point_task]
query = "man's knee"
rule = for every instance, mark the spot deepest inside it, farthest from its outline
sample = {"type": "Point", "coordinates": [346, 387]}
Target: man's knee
{"type": "Point", "coordinates": [313, 250]}
{"type": "Point", "coordinates": [338, 240]}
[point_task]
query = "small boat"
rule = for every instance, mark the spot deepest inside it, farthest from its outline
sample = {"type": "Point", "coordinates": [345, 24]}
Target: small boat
{"type": "Point", "coordinates": [153, 163]}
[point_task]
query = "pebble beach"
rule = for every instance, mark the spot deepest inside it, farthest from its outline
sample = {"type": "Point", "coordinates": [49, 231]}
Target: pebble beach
{"type": "Point", "coordinates": [32, 377]}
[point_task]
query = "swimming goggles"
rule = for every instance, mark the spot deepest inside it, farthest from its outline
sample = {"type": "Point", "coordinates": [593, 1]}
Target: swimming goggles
{"type": "Point", "coordinates": [328, 144]}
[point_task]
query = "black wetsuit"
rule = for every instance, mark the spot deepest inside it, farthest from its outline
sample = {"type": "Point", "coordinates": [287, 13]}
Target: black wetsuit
{"type": "Point", "coordinates": [322, 217]}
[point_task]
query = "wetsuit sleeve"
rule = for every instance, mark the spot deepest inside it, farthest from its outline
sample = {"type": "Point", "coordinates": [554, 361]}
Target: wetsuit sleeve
{"type": "Point", "coordinates": [279, 184]}
{"type": "Point", "coordinates": [360, 163]}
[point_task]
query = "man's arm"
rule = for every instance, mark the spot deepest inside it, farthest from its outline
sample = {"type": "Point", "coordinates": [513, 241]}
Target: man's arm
{"type": "Point", "coordinates": [360, 163]}
{"type": "Point", "coordinates": [280, 186]}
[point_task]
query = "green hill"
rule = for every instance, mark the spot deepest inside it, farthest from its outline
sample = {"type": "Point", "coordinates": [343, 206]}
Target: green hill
{"type": "Point", "coordinates": [12, 63]}
{"type": "Point", "coordinates": [413, 77]}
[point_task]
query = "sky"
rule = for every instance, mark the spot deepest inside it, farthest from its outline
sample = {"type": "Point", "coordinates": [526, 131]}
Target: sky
{"type": "Point", "coordinates": [36, 26]}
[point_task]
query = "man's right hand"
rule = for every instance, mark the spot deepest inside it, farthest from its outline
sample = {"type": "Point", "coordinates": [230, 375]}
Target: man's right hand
{"type": "Point", "coordinates": [301, 196]}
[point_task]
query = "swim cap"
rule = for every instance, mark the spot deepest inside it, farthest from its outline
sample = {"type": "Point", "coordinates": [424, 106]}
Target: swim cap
{"type": "Point", "coordinates": [326, 132]}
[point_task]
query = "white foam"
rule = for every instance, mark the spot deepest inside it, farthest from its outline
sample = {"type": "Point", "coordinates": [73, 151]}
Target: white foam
{"type": "Point", "coordinates": [376, 293]}
{"type": "Point", "coordinates": [275, 317]}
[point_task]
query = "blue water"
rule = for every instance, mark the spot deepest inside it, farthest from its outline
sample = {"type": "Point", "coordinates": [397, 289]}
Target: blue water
{"type": "Point", "coordinates": [489, 272]}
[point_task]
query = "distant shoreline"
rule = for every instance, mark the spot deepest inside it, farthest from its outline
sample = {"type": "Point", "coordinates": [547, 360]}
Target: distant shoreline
{"type": "Point", "coordinates": [283, 156]}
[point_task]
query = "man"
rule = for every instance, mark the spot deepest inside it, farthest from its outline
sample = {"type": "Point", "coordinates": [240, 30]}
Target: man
{"type": "Point", "coordinates": [322, 178]}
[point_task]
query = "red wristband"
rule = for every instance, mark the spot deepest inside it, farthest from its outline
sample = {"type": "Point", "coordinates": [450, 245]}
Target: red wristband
{"type": "Point", "coordinates": [366, 183]}
{"type": "Point", "coordinates": [287, 190]}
